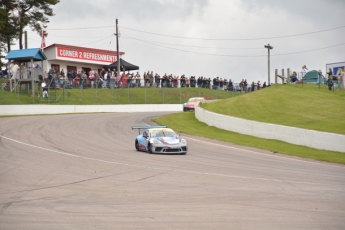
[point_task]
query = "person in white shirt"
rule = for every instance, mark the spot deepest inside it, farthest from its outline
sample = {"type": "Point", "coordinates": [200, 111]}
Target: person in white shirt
{"type": "Point", "coordinates": [304, 70]}
{"type": "Point", "coordinates": [44, 89]}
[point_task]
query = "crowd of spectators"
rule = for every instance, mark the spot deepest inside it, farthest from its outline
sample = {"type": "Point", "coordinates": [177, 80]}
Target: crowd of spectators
{"type": "Point", "coordinates": [107, 78]}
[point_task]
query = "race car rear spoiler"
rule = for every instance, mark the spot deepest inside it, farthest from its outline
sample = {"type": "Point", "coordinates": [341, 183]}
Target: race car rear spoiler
{"type": "Point", "coordinates": [147, 127]}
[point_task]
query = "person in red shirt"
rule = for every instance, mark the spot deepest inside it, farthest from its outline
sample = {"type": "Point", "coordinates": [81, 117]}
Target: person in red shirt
{"type": "Point", "coordinates": [124, 80]}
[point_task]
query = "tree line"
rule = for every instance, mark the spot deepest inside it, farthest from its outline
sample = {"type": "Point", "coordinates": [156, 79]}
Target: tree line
{"type": "Point", "coordinates": [16, 15]}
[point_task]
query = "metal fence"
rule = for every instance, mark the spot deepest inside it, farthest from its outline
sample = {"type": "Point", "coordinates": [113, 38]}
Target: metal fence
{"type": "Point", "coordinates": [66, 92]}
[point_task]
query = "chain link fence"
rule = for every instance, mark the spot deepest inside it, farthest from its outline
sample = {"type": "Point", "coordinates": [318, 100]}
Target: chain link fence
{"type": "Point", "coordinates": [88, 92]}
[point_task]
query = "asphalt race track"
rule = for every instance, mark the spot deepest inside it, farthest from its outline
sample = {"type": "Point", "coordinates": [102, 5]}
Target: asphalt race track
{"type": "Point", "coordinates": [83, 172]}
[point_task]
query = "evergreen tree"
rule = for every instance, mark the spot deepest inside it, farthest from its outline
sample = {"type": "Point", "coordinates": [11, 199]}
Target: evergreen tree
{"type": "Point", "coordinates": [34, 13]}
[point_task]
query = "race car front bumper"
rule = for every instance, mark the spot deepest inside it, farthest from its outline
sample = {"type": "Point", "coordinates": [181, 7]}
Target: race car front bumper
{"type": "Point", "coordinates": [173, 149]}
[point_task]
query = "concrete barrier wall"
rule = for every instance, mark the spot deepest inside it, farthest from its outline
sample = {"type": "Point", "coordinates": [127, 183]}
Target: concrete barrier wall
{"type": "Point", "coordinates": [310, 138]}
{"type": "Point", "coordinates": [60, 109]}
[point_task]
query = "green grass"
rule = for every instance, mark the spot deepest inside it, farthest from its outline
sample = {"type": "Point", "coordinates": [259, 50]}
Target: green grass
{"type": "Point", "coordinates": [117, 96]}
{"type": "Point", "coordinates": [188, 124]}
{"type": "Point", "coordinates": [291, 105]}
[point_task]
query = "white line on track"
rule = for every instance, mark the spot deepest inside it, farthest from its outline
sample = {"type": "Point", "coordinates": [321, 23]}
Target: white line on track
{"type": "Point", "coordinates": [152, 168]}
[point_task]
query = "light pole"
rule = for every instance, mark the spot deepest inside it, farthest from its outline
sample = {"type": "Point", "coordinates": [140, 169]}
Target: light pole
{"type": "Point", "coordinates": [269, 47]}
{"type": "Point", "coordinates": [117, 49]}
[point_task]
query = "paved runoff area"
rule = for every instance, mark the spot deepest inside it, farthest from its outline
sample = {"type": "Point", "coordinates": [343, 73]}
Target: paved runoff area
{"type": "Point", "coordinates": [82, 172]}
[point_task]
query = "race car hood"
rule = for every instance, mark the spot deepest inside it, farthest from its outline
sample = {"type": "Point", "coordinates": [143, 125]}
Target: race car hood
{"type": "Point", "coordinates": [169, 140]}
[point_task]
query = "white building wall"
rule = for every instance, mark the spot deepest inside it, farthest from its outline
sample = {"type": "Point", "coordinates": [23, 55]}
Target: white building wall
{"type": "Point", "coordinates": [79, 65]}
{"type": "Point", "coordinates": [52, 58]}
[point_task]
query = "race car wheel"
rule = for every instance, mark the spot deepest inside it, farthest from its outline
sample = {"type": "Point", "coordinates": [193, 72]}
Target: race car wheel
{"type": "Point", "coordinates": [136, 145]}
{"type": "Point", "coordinates": [149, 148]}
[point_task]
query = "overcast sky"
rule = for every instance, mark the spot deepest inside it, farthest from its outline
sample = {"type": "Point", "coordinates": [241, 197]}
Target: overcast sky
{"type": "Point", "coordinates": [207, 38]}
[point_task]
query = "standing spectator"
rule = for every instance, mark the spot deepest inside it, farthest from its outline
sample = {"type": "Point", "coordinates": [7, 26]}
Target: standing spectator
{"type": "Point", "coordinates": [342, 76]}
{"type": "Point", "coordinates": [198, 82]}
{"type": "Point", "coordinates": [330, 82]}
{"type": "Point", "coordinates": [253, 86]}
{"type": "Point", "coordinates": [231, 85]}
{"type": "Point", "coordinates": [258, 85]}
{"type": "Point", "coordinates": [124, 80]}
{"type": "Point", "coordinates": [109, 73]}
{"type": "Point", "coordinates": [163, 80]}
{"type": "Point", "coordinates": [242, 85]}
{"type": "Point", "coordinates": [84, 79]}
{"type": "Point", "coordinates": [112, 81]}
{"type": "Point", "coordinates": [137, 80]}
{"type": "Point", "coordinates": [187, 82]}
{"type": "Point", "coordinates": [74, 74]}
{"type": "Point", "coordinates": [62, 73]}
{"type": "Point", "coordinates": [217, 83]}
{"type": "Point", "coordinates": [225, 84]}
{"type": "Point", "coordinates": [203, 82]}
{"type": "Point", "coordinates": [208, 83]}
{"type": "Point", "coordinates": [44, 89]}
{"type": "Point", "coordinates": [304, 70]}
{"type": "Point", "coordinates": [92, 77]}
{"type": "Point", "coordinates": [123, 76]}
{"type": "Point", "coordinates": [175, 81]}
{"type": "Point", "coordinates": [192, 81]}
{"type": "Point", "coordinates": [170, 81]}
{"type": "Point", "coordinates": [145, 79]}
{"type": "Point", "coordinates": [245, 85]}
{"type": "Point", "coordinates": [221, 83]}
{"type": "Point", "coordinates": [157, 80]}
{"type": "Point", "coordinates": [151, 77]}
{"type": "Point", "coordinates": [105, 76]}
{"type": "Point", "coordinates": [183, 81]}
{"type": "Point", "coordinates": [70, 76]}
{"type": "Point", "coordinates": [330, 73]}
{"type": "Point", "coordinates": [102, 73]}
{"type": "Point", "coordinates": [264, 85]}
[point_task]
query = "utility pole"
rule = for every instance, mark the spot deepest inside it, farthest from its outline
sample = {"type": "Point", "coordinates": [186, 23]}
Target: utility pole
{"type": "Point", "coordinates": [117, 49]}
{"type": "Point", "coordinates": [26, 39]}
{"type": "Point", "coordinates": [269, 47]}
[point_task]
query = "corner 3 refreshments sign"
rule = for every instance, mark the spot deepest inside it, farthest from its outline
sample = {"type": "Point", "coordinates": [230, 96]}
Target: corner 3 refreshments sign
{"type": "Point", "coordinates": [86, 55]}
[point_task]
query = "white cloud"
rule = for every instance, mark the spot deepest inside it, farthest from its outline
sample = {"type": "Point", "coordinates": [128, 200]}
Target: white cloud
{"type": "Point", "coordinates": [206, 19]}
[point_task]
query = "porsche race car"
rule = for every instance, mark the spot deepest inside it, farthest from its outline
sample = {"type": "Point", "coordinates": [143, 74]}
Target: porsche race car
{"type": "Point", "coordinates": [159, 139]}
{"type": "Point", "coordinates": [192, 102]}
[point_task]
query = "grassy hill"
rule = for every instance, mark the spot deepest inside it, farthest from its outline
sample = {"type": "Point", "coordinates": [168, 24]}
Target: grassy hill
{"type": "Point", "coordinates": [291, 105]}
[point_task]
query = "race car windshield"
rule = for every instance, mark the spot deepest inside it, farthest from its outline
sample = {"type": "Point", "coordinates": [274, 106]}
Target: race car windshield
{"type": "Point", "coordinates": [163, 133]}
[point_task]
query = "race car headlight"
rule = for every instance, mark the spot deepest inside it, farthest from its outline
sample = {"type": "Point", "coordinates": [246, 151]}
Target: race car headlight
{"type": "Point", "coordinates": [154, 141]}
{"type": "Point", "coordinates": [185, 104]}
{"type": "Point", "coordinates": [183, 141]}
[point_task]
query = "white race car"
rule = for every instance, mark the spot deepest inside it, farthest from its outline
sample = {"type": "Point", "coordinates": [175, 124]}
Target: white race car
{"type": "Point", "coordinates": [159, 139]}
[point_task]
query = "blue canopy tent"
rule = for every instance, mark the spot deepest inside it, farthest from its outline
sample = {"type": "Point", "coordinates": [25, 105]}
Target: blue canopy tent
{"type": "Point", "coordinates": [28, 56]}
